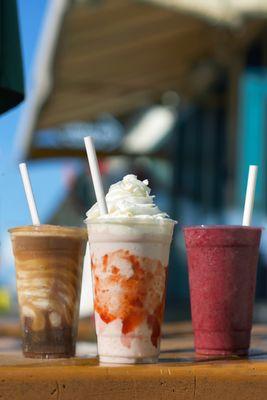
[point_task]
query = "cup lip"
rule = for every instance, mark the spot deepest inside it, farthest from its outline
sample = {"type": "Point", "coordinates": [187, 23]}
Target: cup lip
{"type": "Point", "coordinates": [130, 221]}
{"type": "Point", "coordinates": [49, 230]}
{"type": "Point", "coordinates": [222, 227]}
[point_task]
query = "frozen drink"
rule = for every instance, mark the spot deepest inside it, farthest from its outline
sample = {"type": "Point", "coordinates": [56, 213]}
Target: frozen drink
{"type": "Point", "coordinates": [129, 258]}
{"type": "Point", "coordinates": [222, 263]}
{"type": "Point", "coordinates": [49, 270]}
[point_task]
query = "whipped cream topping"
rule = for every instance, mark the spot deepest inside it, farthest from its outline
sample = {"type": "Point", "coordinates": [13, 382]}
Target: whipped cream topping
{"type": "Point", "coordinates": [129, 198]}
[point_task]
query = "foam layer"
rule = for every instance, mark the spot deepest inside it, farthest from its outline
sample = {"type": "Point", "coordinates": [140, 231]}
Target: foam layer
{"type": "Point", "coordinates": [49, 230]}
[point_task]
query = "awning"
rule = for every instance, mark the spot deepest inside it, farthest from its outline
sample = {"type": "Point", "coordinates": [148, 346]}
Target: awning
{"type": "Point", "coordinates": [11, 74]}
{"type": "Point", "coordinates": [225, 12]}
{"type": "Point", "coordinates": [115, 56]}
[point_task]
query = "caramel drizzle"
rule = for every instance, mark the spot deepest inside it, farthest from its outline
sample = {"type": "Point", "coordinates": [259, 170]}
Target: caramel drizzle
{"type": "Point", "coordinates": [48, 286]}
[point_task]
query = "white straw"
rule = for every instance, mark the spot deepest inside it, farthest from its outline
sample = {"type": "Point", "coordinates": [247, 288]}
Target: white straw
{"type": "Point", "coordinates": [250, 193]}
{"type": "Point", "coordinates": [29, 194]}
{"type": "Point", "coordinates": [98, 186]}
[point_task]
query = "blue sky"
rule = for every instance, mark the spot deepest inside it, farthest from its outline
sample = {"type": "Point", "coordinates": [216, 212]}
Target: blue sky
{"type": "Point", "coordinates": [47, 176]}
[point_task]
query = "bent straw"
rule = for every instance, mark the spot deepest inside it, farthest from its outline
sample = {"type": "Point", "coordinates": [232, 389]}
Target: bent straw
{"type": "Point", "coordinates": [250, 194]}
{"type": "Point", "coordinates": [29, 194]}
{"type": "Point", "coordinates": [98, 186]}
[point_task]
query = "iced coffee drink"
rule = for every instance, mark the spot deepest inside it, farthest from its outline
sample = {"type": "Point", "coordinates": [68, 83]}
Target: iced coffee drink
{"type": "Point", "coordinates": [129, 258]}
{"type": "Point", "coordinates": [49, 270]}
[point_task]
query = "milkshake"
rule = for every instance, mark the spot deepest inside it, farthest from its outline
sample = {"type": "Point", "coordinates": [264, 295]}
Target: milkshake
{"type": "Point", "coordinates": [49, 270]}
{"type": "Point", "coordinates": [222, 263]}
{"type": "Point", "coordinates": [129, 257]}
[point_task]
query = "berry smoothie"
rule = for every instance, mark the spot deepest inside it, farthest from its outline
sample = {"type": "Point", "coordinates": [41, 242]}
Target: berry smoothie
{"type": "Point", "coordinates": [222, 263]}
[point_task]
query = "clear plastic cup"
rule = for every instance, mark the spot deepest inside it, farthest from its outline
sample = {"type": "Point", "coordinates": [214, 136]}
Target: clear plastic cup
{"type": "Point", "coordinates": [222, 262]}
{"type": "Point", "coordinates": [49, 271]}
{"type": "Point", "coordinates": [129, 265]}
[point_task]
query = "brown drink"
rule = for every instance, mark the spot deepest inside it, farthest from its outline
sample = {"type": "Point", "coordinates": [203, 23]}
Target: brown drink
{"type": "Point", "coordinates": [49, 271]}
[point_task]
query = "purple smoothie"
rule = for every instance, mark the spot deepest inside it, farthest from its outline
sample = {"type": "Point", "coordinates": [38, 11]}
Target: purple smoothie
{"type": "Point", "coordinates": [222, 263]}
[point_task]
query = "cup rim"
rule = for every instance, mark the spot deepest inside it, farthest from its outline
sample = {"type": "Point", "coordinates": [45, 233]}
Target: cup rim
{"type": "Point", "coordinates": [49, 230]}
{"type": "Point", "coordinates": [222, 227]}
{"type": "Point", "coordinates": [131, 221]}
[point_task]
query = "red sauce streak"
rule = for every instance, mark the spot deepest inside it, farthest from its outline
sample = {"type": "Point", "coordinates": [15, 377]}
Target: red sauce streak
{"type": "Point", "coordinates": [136, 295]}
{"type": "Point", "coordinates": [105, 262]}
{"type": "Point", "coordinates": [115, 270]}
{"type": "Point", "coordinates": [93, 265]}
{"type": "Point", "coordinates": [154, 322]}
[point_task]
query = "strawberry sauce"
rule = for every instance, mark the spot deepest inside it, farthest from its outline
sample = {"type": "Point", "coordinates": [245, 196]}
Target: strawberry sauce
{"type": "Point", "coordinates": [132, 289]}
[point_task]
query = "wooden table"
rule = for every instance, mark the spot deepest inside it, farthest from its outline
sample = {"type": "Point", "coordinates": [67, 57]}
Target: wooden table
{"type": "Point", "coordinates": [179, 374]}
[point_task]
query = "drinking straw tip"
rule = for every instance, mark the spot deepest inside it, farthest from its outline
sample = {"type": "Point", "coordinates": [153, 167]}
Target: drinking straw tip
{"type": "Point", "coordinates": [29, 193]}
{"type": "Point", "coordinates": [97, 182]}
{"type": "Point", "coordinates": [250, 195]}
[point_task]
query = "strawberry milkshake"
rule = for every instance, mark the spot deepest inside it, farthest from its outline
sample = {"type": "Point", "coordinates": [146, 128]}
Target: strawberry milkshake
{"type": "Point", "coordinates": [129, 257]}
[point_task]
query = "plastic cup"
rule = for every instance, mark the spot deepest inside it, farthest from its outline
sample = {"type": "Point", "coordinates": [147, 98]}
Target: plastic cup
{"type": "Point", "coordinates": [222, 263]}
{"type": "Point", "coordinates": [49, 271]}
{"type": "Point", "coordinates": [129, 265]}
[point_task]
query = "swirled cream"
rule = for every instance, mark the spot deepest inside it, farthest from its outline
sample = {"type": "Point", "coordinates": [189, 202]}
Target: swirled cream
{"type": "Point", "coordinates": [129, 198]}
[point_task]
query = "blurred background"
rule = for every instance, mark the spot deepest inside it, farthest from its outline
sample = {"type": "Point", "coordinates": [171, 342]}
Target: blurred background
{"type": "Point", "coordinates": [171, 90]}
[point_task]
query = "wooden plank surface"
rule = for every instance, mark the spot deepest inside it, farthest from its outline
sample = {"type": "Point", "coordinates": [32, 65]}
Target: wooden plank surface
{"type": "Point", "coordinates": [179, 374]}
